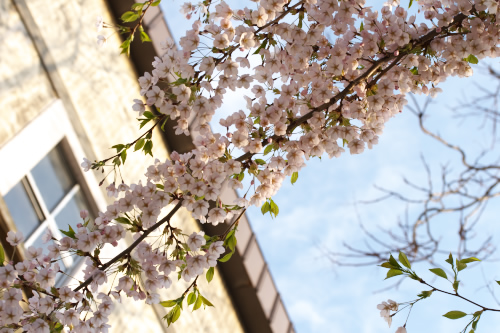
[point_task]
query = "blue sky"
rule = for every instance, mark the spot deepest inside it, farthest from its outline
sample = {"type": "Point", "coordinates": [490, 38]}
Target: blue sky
{"type": "Point", "coordinates": [319, 212]}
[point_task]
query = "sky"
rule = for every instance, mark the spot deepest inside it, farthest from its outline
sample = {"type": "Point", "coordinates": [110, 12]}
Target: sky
{"type": "Point", "coordinates": [321, 211]}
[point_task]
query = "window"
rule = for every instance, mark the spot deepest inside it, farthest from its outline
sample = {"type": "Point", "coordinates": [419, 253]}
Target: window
{"type": "Point", "coordinates": [47, 198]}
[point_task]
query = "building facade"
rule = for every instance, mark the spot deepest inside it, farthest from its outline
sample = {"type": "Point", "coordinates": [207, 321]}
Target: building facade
{"type": "Point", "coordinates": [61, 99]}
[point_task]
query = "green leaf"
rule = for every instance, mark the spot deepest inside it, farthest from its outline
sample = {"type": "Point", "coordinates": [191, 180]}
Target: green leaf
{"type": "Point", "coordinates": [123, 220]}
{"type": "Point", "coordinates": [144, 36]}
{"type": "Point", "coordinates": [361, 27]}
{"type": "Point", "coordinates": [468, 260]}
{"type": "Point", "coordinates": [206, 301]}
{"type": "Point", "coordinates": [137, 6]}
{"type": "Point", "coordinates": [148, 148]}
{"type": "Point", "coordinates": [118, 148]}
{"type": "Point", "coordinates": [450, 260]}
{"type": "Point", "coordinates": [294, 178]}
{"type": "Point", "coordinates": [497, 282]}
{"type": "Point", "coordinates": [70, 233]}
{"type": "Point", "coordinates": [404, 260]}
{"type": "Point", "coordinates": [198, 303]}
{"type": "Point", "coordinates": [472, 59]}
{"type": "Point", "coordinates": [139, 144]}
{"type": "Point", "coordinates": [268, 149]}
{"type": "Point", "coordinates": [191, 298]}
{"type": "Point", "coordinates": [2, 255]}
{"type": "Point", "coordinates": [411, 3]}
{"type": "Point", "coordinates": [176, 313]}
{"type": "Point", "coordinates": [260, 161]}
{"type": "Point", "coordinates": [263, 45]}
{"type": "Point", "coordinates": [156, 3]}
{"type": "Point", "coordinates": [425, 293]}
{"type": "Point", "coordinates": [394, 262]}
{"type": "Point", "coordinates": [301, 18]}
{"type": "Point", "coordinates": [226, 257]}
{"type": "Point", "coordinates": [149, 115]}
{"type": "Point", "coordinates": [129, 16]}
{"type": "Point", "coordinates": [231, 242]}
{"type": "Point", "coordinates": [461, 266]}
{"type": "Point", "coordinates": [265, 208]}
{"type": "Point", "coordinates": [273, 208]}
{"type": "Point", "coordinates": [168, 304]}
{"type": "Point", "coordinates": [455, 285]}
{"type": "Point", "coordinates": [125, 46]}
{"type": "Point", "coordinates": [387, 265]}
{"type": "Point", "coordinates": [210, 274]}
{"type": "Point", "coordinates": [123, 155]}
{"type": "Point", "coordinates": [439, 272]}
{"type": "Point", "coordinates": [455, 315]}
{"type": "Point", "coordinates": [393, 272]}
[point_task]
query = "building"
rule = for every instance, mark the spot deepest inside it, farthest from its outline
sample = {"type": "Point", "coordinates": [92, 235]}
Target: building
{"type": "Point", "coordinates": [63, 98]}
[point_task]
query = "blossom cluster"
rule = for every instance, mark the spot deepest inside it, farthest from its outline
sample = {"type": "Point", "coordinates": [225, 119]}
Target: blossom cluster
{"type": "Point", "coordinates": [322, 76]}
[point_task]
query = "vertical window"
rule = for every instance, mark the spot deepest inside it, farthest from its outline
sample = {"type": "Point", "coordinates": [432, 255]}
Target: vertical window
{"type": "Point", "coordinates": [47, 198]}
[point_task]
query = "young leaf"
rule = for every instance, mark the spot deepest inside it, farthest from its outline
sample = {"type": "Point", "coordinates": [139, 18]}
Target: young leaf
{"type": "Point", "coordinates": [295, 176]}
{"type": "Point", "coordinates": [439, 272]}
{"type": "Point", "coordinates": [191, 298]}
{"type": "Point", "coordinates": [455, 315]}
{"type": "Point", "coordinates": [461, 266]}
{"type": "Point", "coordinates": [455, 285]}
{"type": "Point", "coordinates": [2, 255]}
{"type": "Point", "coordinates": [265, 208]}
{"type": "Point", "coordinates": [139, 144]}
{"type": "Point", "coordinates": [70, 233]}
{"type": "Point", "coordinates": [168, 304]}
{"type": "Point", "coordinates": [468, 260]}
{"type": "Point", "coordinates": [393, 272]}
{"type": "Point", "coordinates": [231, 242]}
{"type": "Point", "coordinates": [425, 293]}
{"type": "Point", "coordinates": [210, 274]}
{"type": "Point", "coordinates": [226, 257]}
{"type": "Point", "coordinates": [176, 313]}
{"type": "Point", "coordinates": [273, 208]}
{"type": "Point", "coordinates": [198, 303]}
{"type": "Point", "coordinates": [404, 260]}
{"type": "Point", "coordinates": [129, 16]}
{"type": "Point", "coordinates": [472, 59]}
{"type": "Point", "coordinates": [206, 301]}
{"type": "Point", "coordinates": [450, 260]}
{"type": "Point", "coordinates": [268, 149]}
{"type": "Point", "coordinates": [394, 262]}
{"type": "Point", "coordinates": [123, 155]}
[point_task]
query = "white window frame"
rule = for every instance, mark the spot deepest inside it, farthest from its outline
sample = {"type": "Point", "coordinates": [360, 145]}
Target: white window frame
{"type": "Point", "coordinates": [28, 147]}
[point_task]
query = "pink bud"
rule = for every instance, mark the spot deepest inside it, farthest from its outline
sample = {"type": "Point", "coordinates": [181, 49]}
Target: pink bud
{"type": "Point", "coordinates": [229, 135]}
{"type": "Point", "coordinates": [84, 213]}
{"type": "Point", "coordinates": [438, 29]}
{"type": "Point", "coordinates": [396, 53]}
{"type": "Point", "coordinates": [114, 243]}
{"type": "Point", "coordinates": [79, 225]}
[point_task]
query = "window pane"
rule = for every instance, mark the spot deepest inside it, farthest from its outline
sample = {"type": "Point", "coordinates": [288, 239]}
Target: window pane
{"type": "Point", "coordinates": [22, 210]}
{"type": "Point", "coordinates": [70, 214]}
{"type": "Point", "coordinates": [52, 178]}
